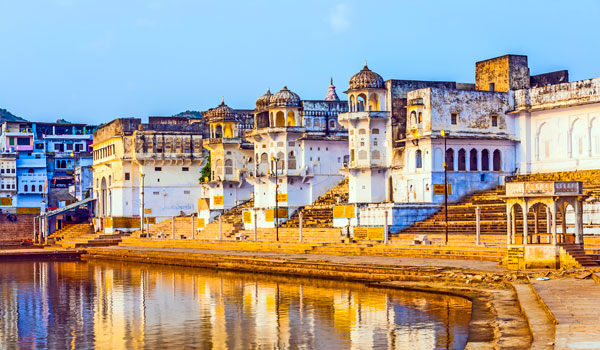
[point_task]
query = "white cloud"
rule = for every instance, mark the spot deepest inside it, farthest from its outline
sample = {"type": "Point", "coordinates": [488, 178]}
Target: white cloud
{"type": "Point", "coordinates": [339, 19]}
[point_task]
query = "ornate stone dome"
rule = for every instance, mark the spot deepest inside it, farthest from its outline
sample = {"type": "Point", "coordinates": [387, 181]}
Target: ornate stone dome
{"type": "Point", "coordinates": [222, 111]}
{"type": "Point", "coordinates": [366, 79]}
{"type": "Point", "coordinates": [284, 98]}
{"type": "Point", "coordinates": [262, 102]}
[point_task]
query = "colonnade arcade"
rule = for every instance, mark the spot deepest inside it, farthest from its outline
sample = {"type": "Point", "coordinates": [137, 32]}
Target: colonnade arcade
{"type": "Point", "coordinates": [547, 204]}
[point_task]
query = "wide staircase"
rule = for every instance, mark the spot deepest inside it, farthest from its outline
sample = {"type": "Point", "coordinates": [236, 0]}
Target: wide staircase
{"type": "Point", "coordinates": [462, 221]}
{"type": "Point", "coordinates": [231, 221]}
{"type": "Point", "coordinates": [320, 213]}
{"type": "Point", "coordinates": [82, 235]}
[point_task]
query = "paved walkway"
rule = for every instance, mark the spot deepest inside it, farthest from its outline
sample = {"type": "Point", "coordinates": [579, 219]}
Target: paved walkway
{"type": "Point", "coordinates": [576, 306]}
{"type": "Point", "coordinates": [487, 266]}
{"type": "Point", "coordinates": [541, 325]}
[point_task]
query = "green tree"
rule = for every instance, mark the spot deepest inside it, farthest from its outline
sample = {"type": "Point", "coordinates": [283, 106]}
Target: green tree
{"type": "Point", "coordinates": [205, 170]}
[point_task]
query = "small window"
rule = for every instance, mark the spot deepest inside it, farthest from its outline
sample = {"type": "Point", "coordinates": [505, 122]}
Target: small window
{"type": "Point", "coordinates": [420, 117]}
{"type": "Point", "coordinates": [156, 193]}
{"type": "Point", "coordinates": [454, 118]}
{"type": "Point", "coordinates": [127, 177]}
{"type": "Point", "coordinates": [185, 168]}
{"type": "Point", "coordinates": [291, 143]}
{"type": "Point", "coordinates": [375, 131]}
{"type": "Point", "coordinates": [492, 87]}
{"type": "Point", "coordinates": [494, 120]}
{"type": "Point", "coordinates": [186, 192]}
{"type": "Point", "coordinates": [157, 168]}
{"type": "Point", "coordinates": [69, 146]}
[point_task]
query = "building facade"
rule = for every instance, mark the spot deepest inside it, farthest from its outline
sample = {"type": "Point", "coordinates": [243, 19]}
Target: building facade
{"type": "Point", "coordinates": [299, 147]}
{"type": "Point", "coordinates": [231, 161]}
{"type": "Point", "coordinates": [150, 170]}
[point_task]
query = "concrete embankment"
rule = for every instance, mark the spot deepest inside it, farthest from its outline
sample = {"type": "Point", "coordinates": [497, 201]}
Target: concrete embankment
{"type": "Point", "coordinates": [497, 321]}
{"type": "Point", "coordinates": [39, 254]}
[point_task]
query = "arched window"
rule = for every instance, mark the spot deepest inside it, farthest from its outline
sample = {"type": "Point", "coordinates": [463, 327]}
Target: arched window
{"type": "Point", "coordinates": [373, 103]}
{"type": "Point", "coordinates": [308, 122]}
{"type": "Point", "coordinates": [413, 117]}
{"type": "Point", "coordinates": [30, 171]}
{"type": "Point", "coordinates": [473, 160]}
{"type": "Point", "coordinates": [228, 167]}
{"type": "Point", "coordinates": [317, 123]}
{"type": "Point", "coordinates": [228, 132]}
{"type": "Point", "coordinates": [497, 161]}
{"type": "Point", "coordinates": [291, 161]}
{"type": "Point", "coordinates": [352, 106]}
{"type": "Point", "coordinates": [375, 131]}
{"type": "Point", "coordinates": [219, 131]}
{"type": "Point", "coordinates": [361, 101]}
{"type": "Point", "coordinates": [375, 155]}
{"type": "Point", "coordinates": [25, 188]}
{"type": "Point", "coordinates": [291, 119]}
{"type": "Point", "coordinates": [420, 117]}
{"type": "Point", "coordinates": [281, 163]}
{"type": "Point", "coordinates": [419, 159]}
{"type": "Point", "coordinates": [362, 155]}
{"type": "Point", "coordinates": [485, 160]}
{"type": "Point", "coordinates": [279, 119]}
{"type": "Point", "coordinates": [450, 159]}
{"type": "Point", "coordinates": [63, 164]}
{"type": "Point", "coordinates": [40, 188]}
{"type": "Point", "coordinates": [362, 132]}
{"type": "Point", "coordinates": [332, 124]}
{"type": "Point", "coordinates": [462, 161]}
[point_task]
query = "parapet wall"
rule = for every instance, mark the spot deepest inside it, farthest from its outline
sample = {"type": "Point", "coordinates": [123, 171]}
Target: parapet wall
{"type": "Point", "coordinates": [16, 231]}
{"type": "Point", "coordinates": [559, 95]}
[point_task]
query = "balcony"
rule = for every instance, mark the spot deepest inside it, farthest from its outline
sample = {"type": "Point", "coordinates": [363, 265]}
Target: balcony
{"type": "Point", "coordinates": [363, 115]}
{"type": "Point", "coordinates": [224, 140]}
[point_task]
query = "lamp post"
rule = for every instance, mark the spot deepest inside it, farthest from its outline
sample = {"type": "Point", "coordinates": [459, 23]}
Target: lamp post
{"type": "Point", "coordinates": [444, 135]}
{"type": "Point", "coordinates": [142, 203]}
{"type": "Point", "coordinates": [276, 214]}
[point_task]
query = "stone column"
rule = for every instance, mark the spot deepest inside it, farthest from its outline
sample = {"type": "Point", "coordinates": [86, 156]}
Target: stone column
{"type": "Point", "coordinates": [221, 227]}
{"type": "Point", "coordinates": [385, 227]}
{"type": "Point", "coordinates": [525, 223]}
{"type": "Point", "coordinates": [478, 220]}
{"type": "Point", "coordinates": [548, 220]}
{"type": "Point", "coordinates": [578, 223]}
{"type": "Point", "coordinates": [554, 212]}
{"type": "Point", "coordinates": [513, 223]}
{"type": "Point", "coordinates": [255, 227]}
{"type": "Point", "coordinates": [300, 219]}
{"type": "Point", "coordinates": [509, 233]}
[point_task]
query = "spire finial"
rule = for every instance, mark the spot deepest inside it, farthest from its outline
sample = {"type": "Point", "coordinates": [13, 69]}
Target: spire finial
{"type": "Point", "coordinates": [222, 100]}
{"type": "Point", "coordinates": [331, 80]}
{"type": "Point", "coordinates": [366, 63]}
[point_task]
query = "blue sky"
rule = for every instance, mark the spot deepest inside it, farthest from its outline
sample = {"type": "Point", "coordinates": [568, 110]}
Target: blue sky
{"type": "Point", "coordinates": [93, 61]}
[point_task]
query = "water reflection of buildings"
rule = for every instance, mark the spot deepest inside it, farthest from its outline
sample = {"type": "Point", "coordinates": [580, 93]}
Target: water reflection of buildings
{"type": "Point", "coordinates": [107, 305]}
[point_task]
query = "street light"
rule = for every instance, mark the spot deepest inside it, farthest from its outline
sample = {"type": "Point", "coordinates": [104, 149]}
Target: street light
{"type": "Point", "coordinates": [444, 135]}
{"type": "Point", "coordinates": [276, 214]}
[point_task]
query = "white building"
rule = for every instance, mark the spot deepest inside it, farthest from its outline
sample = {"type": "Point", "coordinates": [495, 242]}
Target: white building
{"type": "Point", "coordinates": [8, 181]}
{"type": "Point", "coordinates": [231, 161]}
{"type": "Point", "coordinates": [149, 168]}
{"type": "Point", "coordinates": [299, 146]}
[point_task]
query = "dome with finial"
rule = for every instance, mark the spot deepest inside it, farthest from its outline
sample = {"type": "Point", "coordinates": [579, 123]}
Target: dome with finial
{"type": "Point", "coordinates": [331, 94]}
{"type": "Point", "coordinates": [220, 112]}
{"type": "Point", "coordinates": [262, 102]}
{"type": "Point", "coordinates": [366, 79]}
{"type": "Point", "coordinates": [284, 98]}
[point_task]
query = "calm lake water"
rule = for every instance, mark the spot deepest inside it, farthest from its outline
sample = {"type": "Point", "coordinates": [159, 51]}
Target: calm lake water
{"type": "Point", "coordinates": [114, 305]}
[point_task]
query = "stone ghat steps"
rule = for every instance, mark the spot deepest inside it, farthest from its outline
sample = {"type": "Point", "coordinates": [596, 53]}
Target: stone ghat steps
{"type": "Point", "coordinates": [309, 234]}
{"type": "Point", "coordinates": [446, 252]}
{"type": "Point", "coordinates": [453, 239]}
{"type": "Point", "coordinates": [320, 213]}
{"type": "Point", "coordinates": [183, 225]}
{"type": "Point", "coordinates": [579, 254]}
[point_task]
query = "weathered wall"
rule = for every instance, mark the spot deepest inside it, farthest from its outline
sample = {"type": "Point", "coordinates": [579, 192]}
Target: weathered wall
{"type": "Point", "coordinates": [559, 95]}
{"type": "Point", "coordinates": [558, 77]}
{"type": "Point", "coordinates": [509, 72]}
{"type": "Point", "coordinates": [17, 231]}
{"type": "Point", "coordinates": [397, 91]}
